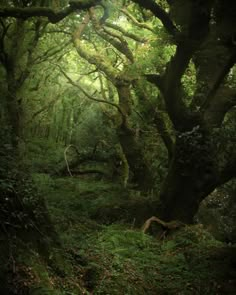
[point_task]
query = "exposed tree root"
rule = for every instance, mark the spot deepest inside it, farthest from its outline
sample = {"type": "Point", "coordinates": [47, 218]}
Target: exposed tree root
{"type": "Point", "coordinates": [167, 226]}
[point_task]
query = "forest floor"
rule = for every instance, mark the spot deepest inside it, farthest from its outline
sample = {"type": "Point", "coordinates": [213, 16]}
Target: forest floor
{"type": "Point", "coordinates": [104, 250]}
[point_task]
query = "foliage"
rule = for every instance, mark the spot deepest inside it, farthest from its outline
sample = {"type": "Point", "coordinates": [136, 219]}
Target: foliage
{"type": "Point", "coordinates": [32, 274]}
{"type": "Point", "coordinates": [125, 261]}
{"type": "Point", "coordinates": [103, 201]}
{"type": "Point", "coordinates": [119, 259]}
{"type": "Point", "coordinates": [48, 154]}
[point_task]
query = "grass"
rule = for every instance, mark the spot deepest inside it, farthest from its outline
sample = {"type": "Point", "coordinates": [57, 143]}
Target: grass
{"type": "Point", "coordinates": [111, 256]}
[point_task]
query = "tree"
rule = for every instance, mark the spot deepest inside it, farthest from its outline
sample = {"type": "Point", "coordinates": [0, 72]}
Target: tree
{"type": "Point", "coordinates": [24, 218]}
{"type": "Point", "coordinates": [18, 48]}
{"type": "Point", "coordinates": [203, 38]}
{"type": "Point", "coordinates": [203, 33]}
{"type": "Point", "coordinates": [115, 68]}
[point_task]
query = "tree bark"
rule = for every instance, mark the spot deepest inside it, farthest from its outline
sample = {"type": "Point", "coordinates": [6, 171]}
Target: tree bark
{"type": "Point", "coordinates": [193, 174]}
{"type": "Point", "coordinates": [142, 175]}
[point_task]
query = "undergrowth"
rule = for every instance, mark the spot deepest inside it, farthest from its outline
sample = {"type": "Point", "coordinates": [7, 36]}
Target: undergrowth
{"type": "Point", "coordinates": [114, 258]}
{"type": "Point", "coordinates": [126, 261]}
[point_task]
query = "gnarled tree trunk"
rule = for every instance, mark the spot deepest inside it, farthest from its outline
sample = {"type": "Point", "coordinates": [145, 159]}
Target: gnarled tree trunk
{"type": "Point", "coordinates": [192, 175]}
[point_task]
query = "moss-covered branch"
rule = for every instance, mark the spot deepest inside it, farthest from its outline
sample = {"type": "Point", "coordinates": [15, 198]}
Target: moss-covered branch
{"type": "Point", "coordinates": [98, 60]}
{"type": "Point", "coordinates": [93, 58]}
{"type": "Point", "coordinates": [114, 38]}
{"type": "Point", "coordinates": [52, 15]}
{"type": "Point", "coordinates": [126, 33]}
{"type": "Point", "coordinates": [136, 22]}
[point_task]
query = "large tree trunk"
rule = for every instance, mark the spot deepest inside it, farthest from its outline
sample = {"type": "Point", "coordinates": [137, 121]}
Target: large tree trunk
{"type": "Point", "coordinates": [192, 175]}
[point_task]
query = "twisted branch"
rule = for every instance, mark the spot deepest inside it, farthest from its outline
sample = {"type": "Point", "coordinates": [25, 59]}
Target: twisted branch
{"type": "Point", "coordinates": [52, 15]}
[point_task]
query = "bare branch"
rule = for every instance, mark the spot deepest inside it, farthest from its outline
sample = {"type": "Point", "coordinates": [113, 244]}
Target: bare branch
{"type": "Point", "coordinates": [50, 52]}
{"type": "Point", "coordinates": [159, 13]}
{"type": "Point", "coordinates": [44, 108]}
{"type": "Point", "coordinates": [88, 95]}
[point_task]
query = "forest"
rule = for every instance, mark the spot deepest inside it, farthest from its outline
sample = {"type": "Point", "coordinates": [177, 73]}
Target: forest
{"type": "Point", "coordinates": [118, 147]}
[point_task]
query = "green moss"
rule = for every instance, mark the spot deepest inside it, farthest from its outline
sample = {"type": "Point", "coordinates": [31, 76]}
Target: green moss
{"type": "Point", "coordinates": [35, 275]}
{"type": "Point", "coordinates": [126, 261]}
{"type": "Point", "coordinates": [114, 258]}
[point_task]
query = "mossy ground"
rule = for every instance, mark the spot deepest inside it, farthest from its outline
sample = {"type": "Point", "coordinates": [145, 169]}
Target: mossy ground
{"type": "Point", "coordinates": [104, 251]}
{"type": "Point", "coordinates": [108, 254]}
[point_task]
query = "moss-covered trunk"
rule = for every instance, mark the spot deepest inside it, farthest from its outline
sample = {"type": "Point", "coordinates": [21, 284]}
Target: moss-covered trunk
{"type": "Point", "coordinates": [192, 175]}
{"type": "Point", "coordinates": [142, 176]}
